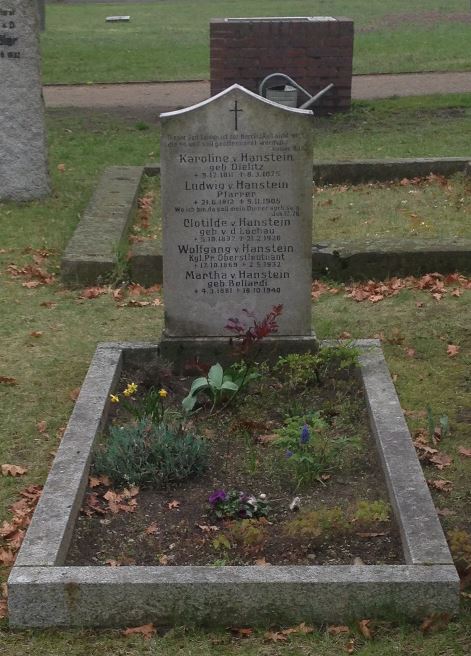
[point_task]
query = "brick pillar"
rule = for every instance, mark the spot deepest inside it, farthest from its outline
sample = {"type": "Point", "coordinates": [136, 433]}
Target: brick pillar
{"type": "Point", "coordinates": [312, 52]}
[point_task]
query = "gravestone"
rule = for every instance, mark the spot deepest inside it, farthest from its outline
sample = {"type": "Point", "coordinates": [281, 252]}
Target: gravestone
{"type": "Point", "coordinates": [23, 158]}
{"type": "Point", "coordinates": [237, 215]}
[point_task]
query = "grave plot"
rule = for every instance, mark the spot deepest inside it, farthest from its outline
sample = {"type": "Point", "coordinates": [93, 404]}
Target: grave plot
{"type": "Point", "coordinates": [231, 294]}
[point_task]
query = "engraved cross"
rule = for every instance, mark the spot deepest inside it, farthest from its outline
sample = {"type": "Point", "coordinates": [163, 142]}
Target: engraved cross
{"type": "Point", "coordinates": [236, 110]}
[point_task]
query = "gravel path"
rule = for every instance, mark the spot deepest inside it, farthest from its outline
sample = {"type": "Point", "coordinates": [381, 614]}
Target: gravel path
{"type": "Point", "coordinates": [167, 96]}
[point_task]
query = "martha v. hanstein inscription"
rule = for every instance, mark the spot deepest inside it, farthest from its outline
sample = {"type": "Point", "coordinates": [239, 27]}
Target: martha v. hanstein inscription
{"type": "Point", "coordinates": [23, 156]}
{"type": "Point", "coordinates": [237, 214]}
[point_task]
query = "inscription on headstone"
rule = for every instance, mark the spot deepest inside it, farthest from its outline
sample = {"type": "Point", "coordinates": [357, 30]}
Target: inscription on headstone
{"type": "Point", "coordinates": [23, 160]}
{"type": "Point", "coordinates": [237, 214]}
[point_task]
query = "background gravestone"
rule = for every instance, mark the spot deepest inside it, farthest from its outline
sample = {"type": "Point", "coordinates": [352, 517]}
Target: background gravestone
{"type": "Point", "coordinates": [237, 214]}
{"type": "Point", "coordinates": [23, 161]}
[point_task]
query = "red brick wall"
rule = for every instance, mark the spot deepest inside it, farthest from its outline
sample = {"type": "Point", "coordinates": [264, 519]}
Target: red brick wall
{"type": "Point", "coordinates": [313, 53]}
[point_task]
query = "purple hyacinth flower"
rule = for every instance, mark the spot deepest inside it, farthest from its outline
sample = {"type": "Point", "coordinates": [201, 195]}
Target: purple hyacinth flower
{"type": "Point", "coordinates": [288, 453]}
{"type": "Point", "coordinates": [218, 496]}
{"type": "Point", "coordinates": [305, 435]}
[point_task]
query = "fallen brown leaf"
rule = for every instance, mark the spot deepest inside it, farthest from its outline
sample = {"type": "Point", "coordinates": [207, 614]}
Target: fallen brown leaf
{"type": "Point", "coordinates": [350, 646]}
{"type": "Point", "coordinates": [172, 505]}
{"type": "Point", "coordinates": [441, 485]}
{"type": "Point", "coordinates": [466, 453]}
{"type": "Point", "coordinates": [13, 470]}
{"type": "Point", "coordinates": [445, 512]}
{"type": "Point", "coordinates": [440, 460]}
{"type": "Point", "coordinates": [41, 426]}
{"type": "Point", "coordinates": [3, 609]}
{"type": "Point", "coordinates": [365, 629]}
{"type": "Point", "coordinates": [8, 380]}
{"type": "Point", "coordinates": [452, 350]}
{"type": "Point", "coordinates": [36, 333]}
{"type": "Point", "coordinates": [152, 529]}
{"type": "Point", "coordinates": [74, 394]}
{"type": "Point", "coordinates": [275, 636]}
{"type": "Point", "coordinates": [241, 632]}
{"type": "Point", "coordinates": [7, 558]}
{"type": "Point", "coordinates": [335, 630]}
{"type": "Point", "coordinates": [435, 622]}
{"type": "Point", "coordinates": [146, 630]}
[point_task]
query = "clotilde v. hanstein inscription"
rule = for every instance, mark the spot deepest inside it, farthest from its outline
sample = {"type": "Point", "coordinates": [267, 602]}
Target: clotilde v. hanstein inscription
{"type": "Point", "coordinates": [237, 213]}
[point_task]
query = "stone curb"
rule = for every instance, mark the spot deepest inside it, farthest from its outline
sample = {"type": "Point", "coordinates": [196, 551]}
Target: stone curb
{"type": "Point", "coordinates": [92, 253]}
{"type": "Point", "coordinates": [44, 592]}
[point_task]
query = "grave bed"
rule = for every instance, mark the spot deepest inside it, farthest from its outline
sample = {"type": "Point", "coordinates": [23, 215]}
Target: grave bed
{"type": "Point", "coordinates": [44, 591]}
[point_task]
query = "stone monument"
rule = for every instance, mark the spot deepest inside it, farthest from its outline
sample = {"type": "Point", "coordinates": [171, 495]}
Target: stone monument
{"type": "Point", "coordinates": [23, 155]}
{"type": "Point", "coordinates": [237, 217]}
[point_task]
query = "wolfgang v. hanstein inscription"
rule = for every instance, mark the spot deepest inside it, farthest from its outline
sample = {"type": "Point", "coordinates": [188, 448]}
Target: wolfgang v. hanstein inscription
{"type": "Point", "coordinates": [237, 214]}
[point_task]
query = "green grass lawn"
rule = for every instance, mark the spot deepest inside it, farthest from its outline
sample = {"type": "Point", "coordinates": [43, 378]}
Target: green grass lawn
{"type": "Point", "coordinates": [169, 40]}
{"type": "Point", "coordinates": [49, 334]}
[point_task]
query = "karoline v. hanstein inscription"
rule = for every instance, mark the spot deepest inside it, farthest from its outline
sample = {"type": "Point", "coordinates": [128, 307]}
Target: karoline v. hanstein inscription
{"type": "Point", "coordinates": [237, 213]}
{"type": "Point", "coordinates": [23, 161]}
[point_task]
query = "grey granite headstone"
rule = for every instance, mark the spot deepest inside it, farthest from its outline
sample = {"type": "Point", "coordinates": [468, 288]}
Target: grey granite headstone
{"type": "Point", "coordinates": [23, 156]}
{"type": "Point", "coordinates": [237, 214]}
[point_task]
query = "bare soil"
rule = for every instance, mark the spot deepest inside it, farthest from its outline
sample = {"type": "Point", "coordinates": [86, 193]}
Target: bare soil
{"type": "Point", "coordinates": [175, 526]}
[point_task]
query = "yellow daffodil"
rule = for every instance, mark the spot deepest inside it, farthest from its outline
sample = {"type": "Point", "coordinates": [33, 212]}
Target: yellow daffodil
{"type": "Point", "coordinates": [130, 389]}
{"type": "Point", "coordinates": [163, 393]}
{"type": "Point", "coordinates": [114, 398]}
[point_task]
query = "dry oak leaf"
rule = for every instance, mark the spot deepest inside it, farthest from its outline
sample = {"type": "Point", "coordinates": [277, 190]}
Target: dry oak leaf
{"type": "Point", "coordinates": [3, 609]}
{"type": "Point", "coordinates": [452, 350]}
{"type": "Point", "coordinates": [7, 558]}
{"type": "Point", "coordinates": [365, 630]}
{"type": "Point", "coordinates": [13, 470]}
{"type": "Point", "coordinates": [261, 562]}
{"type": "Point", "coordinates": [466, 453]}
{"type": "Point", "coordinates": [95, 481]}
{"type": "Point", "coordinates": [152, 529]}
{"type": "Point", "coordinates": [350, 646]}
{"type": "Point", "coordinates": [267, 439]}
{"type": "Point", "coordinates": [74, 394]}
{"type": "Point", "coordinates": [8, 380]}
{"type": "Point", "coordinates": [435, 622]}
{"type": "Point", "coordinates": [94, 292]}
{"type": "Point", "coordinates": [440, 460]}
{"type": "Point", "coordinates": [146, 630]}
{"type": "Point", "coordinates": [172, 505]}
{"type": "Point", "coordinates": [241, 632]}
{"type": "Point", "coordinates": [445, 512]}
{"type": "Point", "coordinates": [41, 426]}
{"type": "Point", "coordinates": [441, 485]}
{"type": "Point", "coordinates": [36, 333]}
{"type": "Point", "coordinates": [410, 352]}
{"type": "Point", "coordinates": [335, 630]}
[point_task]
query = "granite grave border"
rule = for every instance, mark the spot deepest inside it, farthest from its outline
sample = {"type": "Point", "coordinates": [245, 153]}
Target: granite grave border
{"type": "Point", "coordinates": [44, 592]}
{"type": "Point", "coordinates": [93, 252]}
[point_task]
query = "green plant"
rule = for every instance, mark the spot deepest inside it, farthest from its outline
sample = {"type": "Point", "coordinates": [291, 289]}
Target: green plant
{"type": "Point", "coordinates": [303, 369]}
{"type": "Point", "coordinates": [237, 505]}
{"type": "Point", "coordinates": [150, 406]}
{"type": "Point", "coordinates": [308, 448]}
{"type": "Point", "coordinates": [248, 534]}
{"type": "Point", "coordinates": [218, 384]}
{"type": "Point", "coordinates": [317, 523]}
{"type": "Point", "coordinates": [370, 512]}
{"type": "Point", "coordinates": [442, 428]}
{"type": "Point", "coordinates": [150, 455]}
{"type": "Point", "coordinates": [460, 547]}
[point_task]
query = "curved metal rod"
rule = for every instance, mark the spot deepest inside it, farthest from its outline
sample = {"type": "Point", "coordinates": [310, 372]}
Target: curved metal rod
{"type": "Point", "coordinates": [286, 78]}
